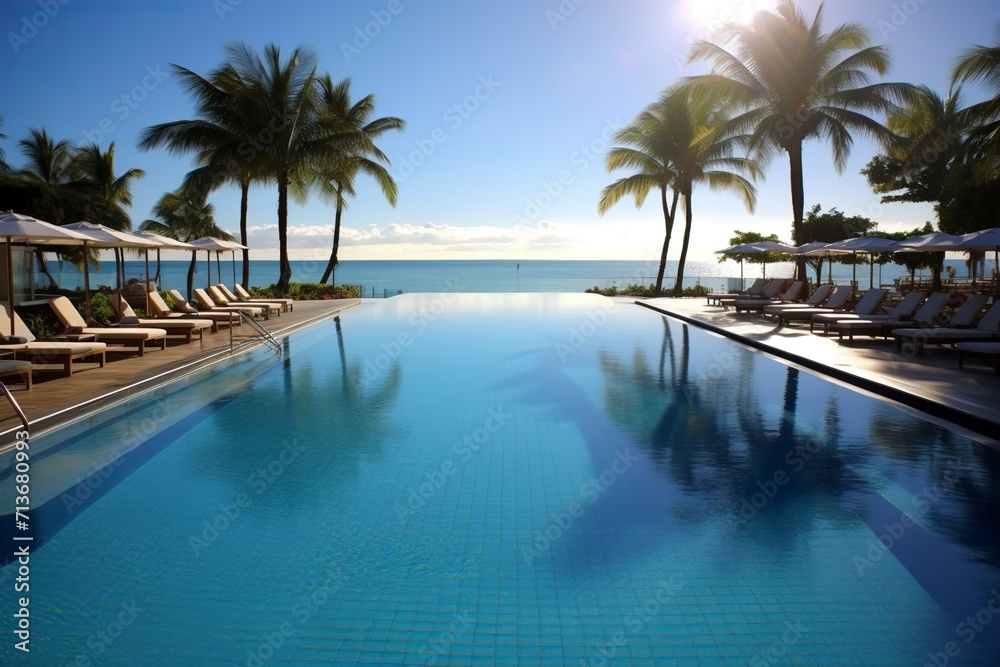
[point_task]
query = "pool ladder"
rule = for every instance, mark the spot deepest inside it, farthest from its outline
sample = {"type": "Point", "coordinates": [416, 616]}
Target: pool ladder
{"type": "Point", "coordinates": [17, 408]}
{"type": "Point", "coordinates": [263, 334]}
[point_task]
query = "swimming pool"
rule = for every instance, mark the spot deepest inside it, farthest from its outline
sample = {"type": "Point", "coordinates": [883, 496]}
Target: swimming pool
{"type": "Point", "coordinates": [516, 479]}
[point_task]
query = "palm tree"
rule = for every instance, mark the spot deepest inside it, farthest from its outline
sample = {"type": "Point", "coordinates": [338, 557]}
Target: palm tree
{"type": "Point", "coordinates": [4, 167]}
{"type": "Point", "coordinates": [47, 161]}
{"type": "Point", "coordinates": [298, 138]}
{"type": "Point", "coordinates": [185, 215]}
{"type": "Point", "coordinates": [650, 148]}
{"type": "Point", "coordinates": [982, 64]}
{"type": "Point", "coordinates": [794, 82]}
{"type": "Point", "coordinates": [221, 137]}
{"type": "Point", "coordinates": [707, 157]}
{"type": "Point", "coordinates": [681, 140]}
{"type": "Point", "coordinates": [94, 170]}
{"type": "Point", "coordinates": [336, 183]}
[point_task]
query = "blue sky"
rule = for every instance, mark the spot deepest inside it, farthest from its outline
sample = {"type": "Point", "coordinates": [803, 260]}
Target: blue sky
{"type": "Point", "coordinates": [508, 107]}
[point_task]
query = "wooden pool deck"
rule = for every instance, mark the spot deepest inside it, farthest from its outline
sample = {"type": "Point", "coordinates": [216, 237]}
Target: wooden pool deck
{"type": "Point", "coordinates": [967, 397]}
{"type": "Point", "coordinates": [55, 399]}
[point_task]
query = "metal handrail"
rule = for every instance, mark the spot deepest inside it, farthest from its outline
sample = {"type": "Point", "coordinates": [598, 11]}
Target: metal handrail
{"type": "Point", "coordinates": [17, 408]}
{"type": "Point", "coordinates": [264, 334]}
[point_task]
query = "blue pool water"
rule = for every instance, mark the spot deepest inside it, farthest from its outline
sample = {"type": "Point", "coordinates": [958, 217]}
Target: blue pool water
{"type": "Point", "coordinates": [518, 480]}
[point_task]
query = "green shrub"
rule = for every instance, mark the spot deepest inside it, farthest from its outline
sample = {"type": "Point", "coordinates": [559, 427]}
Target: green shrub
{"type": "Point", "coordinates": [651, 291]}
{"type": "Point", "coordinates": [100, 309]}
{"type": "Point", "coordinates": [309, 291]}
{"type": "Point", "coordinates": [169, 299]}
{"type": "Point", "coordinates": [42, 325]}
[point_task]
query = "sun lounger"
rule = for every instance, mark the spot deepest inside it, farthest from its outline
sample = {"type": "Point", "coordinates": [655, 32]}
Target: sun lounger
{"type": "Point", "coordinates": [792, 294]}
{"type": "Point", "coordinates": [771, 292]}
{"type": "Point", "coordinates": [47, 352]}
{"type": "Point", "coordinates": [220, 298]}
{"type": "Point", "coordinates": [981, 350]}
{"type": "Point", "coordinates": [874, 325]}
{"type": "Point", "coordinates": [835, 302]}
{"type": "Point", "coordinates": [988, 329]}
{"type": "Point", "coordinates": [174, 327]}
{"type": "Point", "coordinates": [159, 308]}
{"type": "Point", "coordinates": [243, 295]}
{"type": "Point", "coordinates": [815, 300]}
{"type": "Point", "coordinates": [10, 367]}
{"type": "Point", "coordinates": [903, 310]}
{"type": "Point", "coordinates": [70, 318]}
{"type": "Point", "coordinates": [757, 289]}
{"type": "Point", "coordinates": [206, 303]}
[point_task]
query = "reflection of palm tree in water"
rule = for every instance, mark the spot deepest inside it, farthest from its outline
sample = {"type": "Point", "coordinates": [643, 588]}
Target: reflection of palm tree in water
{"type": "Point", "coordinates": [708, 430]}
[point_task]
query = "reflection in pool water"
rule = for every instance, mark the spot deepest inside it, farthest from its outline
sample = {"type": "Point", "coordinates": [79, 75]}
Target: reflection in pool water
{"type": "Point", "coordinates": [430, 482]}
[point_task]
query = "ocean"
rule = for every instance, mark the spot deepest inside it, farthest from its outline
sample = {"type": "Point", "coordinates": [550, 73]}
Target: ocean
{"type": "Point", "coordinates": [388, 277]}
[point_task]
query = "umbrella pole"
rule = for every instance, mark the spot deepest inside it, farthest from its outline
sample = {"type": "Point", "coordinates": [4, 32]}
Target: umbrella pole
{"type": "Point", "coordinates": [234, 269]}
{"type": "Point", "coordinates": [10, 284]}
{"type": "Point", "coordinates": [871, 273]}
{"type": "Point", "coordinates": [86, 283]}
{"type": "Point", "coordinates": [146, 253]}
{"type": "Point", "coordinates": [218, 266]}
{"type": "Point", "coordinates": [854, 273]}
{"type": "Point", "coordinates": [208, 273]}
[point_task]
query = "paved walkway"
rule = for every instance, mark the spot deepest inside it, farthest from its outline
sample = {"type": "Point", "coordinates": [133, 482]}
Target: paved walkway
{"type": "Point", "coordinates": [55, 399]}
{"type": "Point", "coordinates": [968, 397]}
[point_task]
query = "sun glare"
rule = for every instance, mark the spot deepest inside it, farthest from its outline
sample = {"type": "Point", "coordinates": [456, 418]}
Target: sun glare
{"type": "Point", "coordinates": [713, 13]}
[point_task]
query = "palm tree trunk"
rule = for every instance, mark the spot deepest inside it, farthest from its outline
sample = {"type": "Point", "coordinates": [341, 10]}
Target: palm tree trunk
{"type": "Point", "coordinates": [191, 267]}
{"type": "Point", "coordinates": [244, 198]}
{"type": "Point", "coordinates": [332, 264]}
{"type": "Point", "coordinates": [668, 221]}
{"type": "Point", "coordinates": [43, 266]}
{"type": "Point", "coordinates": [798, 203]}
{"type": "Point", "coordinates": [679, 282]}
{"type": "Point", "coordinates": [284, 268]}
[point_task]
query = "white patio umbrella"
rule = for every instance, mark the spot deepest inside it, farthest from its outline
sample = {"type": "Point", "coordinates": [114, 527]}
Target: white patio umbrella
{"type": "Point", "coordinates": [862, 244]}
{"type": "Point", "coordinates": [26, 229]}
{"type": "Point", "coordinates": [105, 237]}
{"type": "Point", "coordinates": [984, 241]}
{"type": "Point", "coordinates": [209, 244]}
{"type": "Point", "coordinates": [818, 249]}
{"type": "Point", "coordinates": [163, 242]}
{"type": "Point", "coordinates": [758, 248]}
{"type": "Point", "coordinates": [933, 242]}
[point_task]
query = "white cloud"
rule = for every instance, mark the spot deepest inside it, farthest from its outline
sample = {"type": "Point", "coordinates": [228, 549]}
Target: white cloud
{"type": "Point", "coordinates": [545, 239]}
